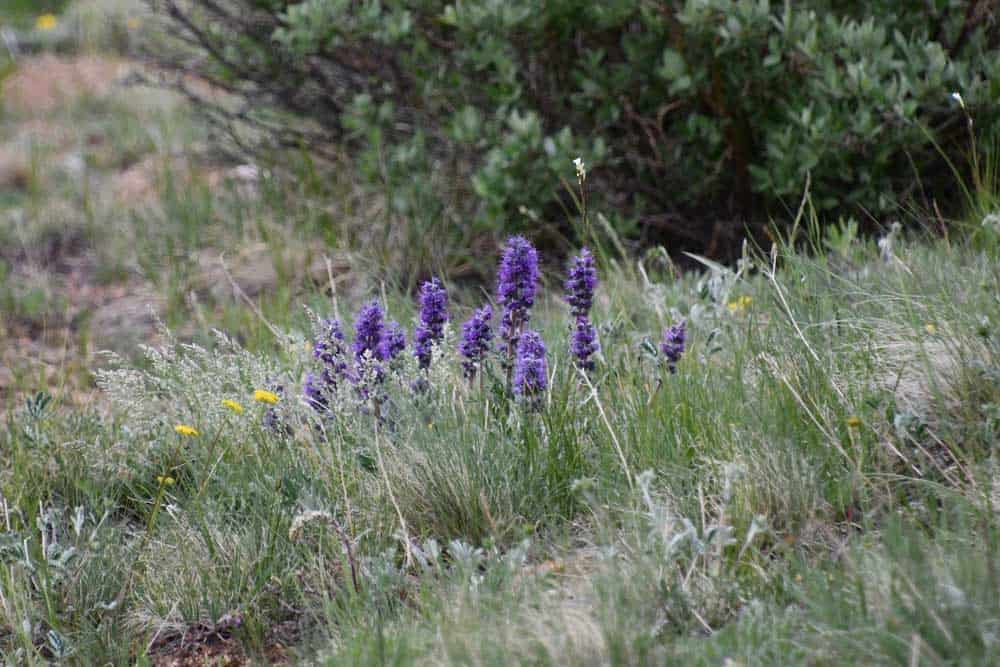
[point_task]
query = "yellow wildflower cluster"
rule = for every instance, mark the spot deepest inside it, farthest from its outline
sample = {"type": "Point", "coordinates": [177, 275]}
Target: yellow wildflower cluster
{"type": "Point", "coordinates": [264, 396]}
{"type": "Point", "coordinates": [739, 304]}
{"type": "Point", "coordinates": [233, 405]}
{"type": "Point", "coordinates": [46, 22]}
{"type": "Point", "coordinates": [185, 430]}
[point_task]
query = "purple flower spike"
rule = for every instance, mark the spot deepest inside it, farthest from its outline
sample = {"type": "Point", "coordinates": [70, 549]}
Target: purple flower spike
{"type": "Point", "coordinates": [580, 284]}
{"type": "Point", "coordinates": [369, 329]}
{"type": "Point", "coordinates": [330, 349]}
{"type": "Point", "coordinates": [584, 344]}
{"type": "Point", "coordinates": [530, 369]}
{"type": "Point", "coordinates": [516, 283]}
{"type": "Point", "coordinates": [433, 315]}
{"type": "Point", "coordinates": [476, 337]}
{"type": "Point", "coordinates": [393, 341]}
{"type": "Point", "coordinates": [315, 391]}
{"type": "Point", "coordinates": [672, 346]}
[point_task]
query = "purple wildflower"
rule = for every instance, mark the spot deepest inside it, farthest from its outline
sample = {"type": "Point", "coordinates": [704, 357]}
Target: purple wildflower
{"type": "Point", "coordinates": [580, 284]}
{"type": "Point", "coordinates": [330, 344]}
{"type": "Point", "coordinates": [315, 391]}
{"type": "Point", "coordinates": [672, 346]}
{"type": "Point", "coordinates": [369, 330]}
{"type": "Point", "coordinates": [393, 341]}
{"type": "Point", "coordinates": [476, 337]}
{"type": "Point", "coordinates": [330, 348]}
{"type": "Point", "coordinates": [516, 283]}
{"type": "Point", "coordinates": [433, 315]}
{"type": "Point", "coordinates": [584, 343]}
{"type": "Point", "coordinates": [530, 369]}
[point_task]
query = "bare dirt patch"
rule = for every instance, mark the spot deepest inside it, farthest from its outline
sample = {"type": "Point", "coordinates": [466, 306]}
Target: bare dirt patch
{"type": "Point", "coordinates": [47, 82]}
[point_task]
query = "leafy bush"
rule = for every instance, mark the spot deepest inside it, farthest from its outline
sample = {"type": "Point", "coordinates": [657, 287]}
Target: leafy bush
{"type": "Point", "coordinates": [707, 114]}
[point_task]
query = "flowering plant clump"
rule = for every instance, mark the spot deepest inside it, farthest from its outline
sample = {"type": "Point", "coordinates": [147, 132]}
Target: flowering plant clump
{"type": "Point", "coordinates": [530, 368]}
{"type": "Point", "coordinates": [476, 338]}
{"type": "Point", "coordinates": [517, 281]}
{"type": "Point", "coordinates": [672, 347]}
{"type": "Point", "coordinates": [433, 315]}
{"type": "Point", "coordinates": [525, 361]}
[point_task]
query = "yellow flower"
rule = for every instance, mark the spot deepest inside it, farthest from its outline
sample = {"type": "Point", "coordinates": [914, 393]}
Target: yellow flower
{"type": "Point", "coordinates": [854, 422]}
{"type": "Point", "coordinates": [164, 480]}
{"type": "Point", "coordinates": [264, 396]}
{"type": "Point", "coordinates": [930, 328]}
{"type": "Point", "coordinates": [233, 405]}
{"type": "Point", "coordinates": [184, 429]}
{"type": "Point", "coordinates": [740, 304]}
{"type": "Point", "coordinates": [46, 22]}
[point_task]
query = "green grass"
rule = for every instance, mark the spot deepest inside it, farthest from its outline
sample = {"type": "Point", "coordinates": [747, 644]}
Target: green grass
{"type": "Point", "coordinates": [820, 489]}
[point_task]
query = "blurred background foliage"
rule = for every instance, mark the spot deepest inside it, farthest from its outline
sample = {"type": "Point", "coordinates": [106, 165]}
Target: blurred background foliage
{"type": "Point", "coordinates": [698, 119]}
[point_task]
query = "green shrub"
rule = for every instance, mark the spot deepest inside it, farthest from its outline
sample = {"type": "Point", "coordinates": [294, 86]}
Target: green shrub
{"type": "Point", "coordinates": [695, 118]}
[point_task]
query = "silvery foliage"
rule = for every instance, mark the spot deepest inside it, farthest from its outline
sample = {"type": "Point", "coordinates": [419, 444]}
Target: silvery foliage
{"type": "Point", "coordinates": [185, 383]}
{"type": "Point", "coordinates": [677, 538]}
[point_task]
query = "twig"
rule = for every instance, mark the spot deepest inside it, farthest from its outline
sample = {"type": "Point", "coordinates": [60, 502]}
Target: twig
{"type": "Point", "coordinates": [392, 498]}
{"type": "Point", "coordinates": [240, 293]}
{"type": "Point", "coordinates": [611, 431]}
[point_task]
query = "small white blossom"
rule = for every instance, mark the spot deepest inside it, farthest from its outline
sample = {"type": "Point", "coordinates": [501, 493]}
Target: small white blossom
{"type": "Point", "coordinates": [581, 170]}
{"type": "Point", "coordinates": [957, 96]}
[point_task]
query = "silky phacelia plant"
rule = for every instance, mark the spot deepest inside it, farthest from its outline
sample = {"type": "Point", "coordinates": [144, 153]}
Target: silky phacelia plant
{"type": "Point", "coordinates": [330, 345]}
{"type": "Point", "coordinates": [433, 315]}
{"type": "Point", "coordinates": [476, 338]}
{"type": "Point", "coordinates": [580, 284]}
{"type": "Point", "coordinates": [393, 341]}
{"type": "Point", "coordinates": [530, 368]}
{"type": "Point", "coordinates": [330, 349]}
{"type": "Point", "coordinates": [517, 281]}
{"type": "Point", "coordinates": [584, 344]}
{"type": "Point", "coordinates": [672, 345]}
{"type": "Point", "coordinates": [369, 329]}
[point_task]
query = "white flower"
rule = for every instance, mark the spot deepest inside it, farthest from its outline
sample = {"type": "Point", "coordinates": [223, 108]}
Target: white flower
{"type": "Point", "coordinates": [581, 171]}
{"type": "Point", "coordinates": [957, 96]}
